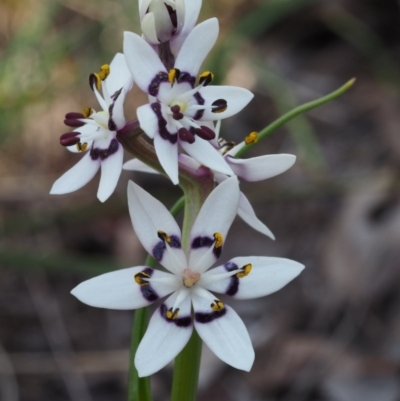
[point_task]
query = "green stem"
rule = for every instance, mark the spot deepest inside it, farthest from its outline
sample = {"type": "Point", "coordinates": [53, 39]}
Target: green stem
{"type": "Point", "coordinates": [139, 388]}
{"type": "Point", "coordinates": [295, 112]}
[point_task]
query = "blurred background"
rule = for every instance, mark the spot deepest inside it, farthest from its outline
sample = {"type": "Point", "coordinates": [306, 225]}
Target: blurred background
{"type": "Point", "coordinates": [331, 335]}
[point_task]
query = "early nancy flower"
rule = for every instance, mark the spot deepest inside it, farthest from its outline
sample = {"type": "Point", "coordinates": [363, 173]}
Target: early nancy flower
{"type": "Point", "coordinates": [179, 113]}
{"type": "Point", "coordinates": [95, 132]}
{"type": "Point", "coordinates": [189, 281]}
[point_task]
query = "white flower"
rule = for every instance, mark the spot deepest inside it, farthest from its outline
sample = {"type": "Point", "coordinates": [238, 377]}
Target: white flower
{"type": "Point", "coordinates": [251, 170]}
{"type": "Point", "coordinates": [96, 133]}
{"type": "Point", "coordinates": [180, 113]}
{"type": "Point", "coordinates": [168, 20]}
{"type": "Point", "coordinates": [189, 281]}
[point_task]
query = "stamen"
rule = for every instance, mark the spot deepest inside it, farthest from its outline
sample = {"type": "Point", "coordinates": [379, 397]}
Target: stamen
{"type": "Point", "coordinates": [186, 136]}
{"type": "Point", "coordinates": [245, 271]}
{"type": "Point", "coordinates": [87, 112]}
{"type": "Point", "coordinates": [81, 146]}
{"type": "Point", "coordinates": [217, 305]}
{"type": "Point", "coordinates": [163, 236]}
{"type": "Point", "coordinates": [205, 133]}
{"type": "Point", "coordinates": [176, 112]}
{"type": "Point", "coordinates": [225, 146]}
{"type": "Point", "coordinates": [219, 106]}
{"type": "Point", "coordinates": [172, 314]}
{"type": "Point", "coordinates": [69, 138]}
{"type": "Point", "coordinates": [104, 71]}
{"type": "Point", "coordinates": [73, 116]}
{"type": "Point", "coordinates": [218, 240]}
{"type": "Point", "coordinates": [251, 138]}
{"type": "Point", "coordinates": [173, 75]}
{"type": "Point", "coordinates": [70, 122]}
{"type": "Point", "coordinates": [190, 278]}
{"type": "Point", "coordinates": [96, 78]}
{"type": "Point", "coordinates": [206, 78]}
{"type": "Point", "coordinates": [140, 278]}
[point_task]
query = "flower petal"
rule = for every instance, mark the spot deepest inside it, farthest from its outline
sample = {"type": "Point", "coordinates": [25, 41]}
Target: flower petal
{"type": "Point", "coordinates": [246, 212]}
{"type": "Point", "coordinates": [76, 177]}
{"type": "Point", "coordinates": [111, 168]}
{"type": "Point", "coordinates": [148, 26]}
{"type": "Point", "coordinates": [203, 152]}
{"type": "Point", "coordinates": [236, 98]}
{"type": "Point", "coordinates": [119, 289]}
{"type": "Point", "coordinates": [165, 338]}
{"type": "Point", "coordinates": [137, 165]}
{"type": "Point", "coordinates": [196, 46]}
{"type": "Point", "coordinates": [262, 167]}
{"type": "Point", "coordinates": [223, 332]}
{"type": "Point", "coordinates": [148, 120]}
{"type": "Point", "coordinates": [192, 10]}
{"type": "Point", "coordinates": [215, 216]}
{"type": "Point", "coordinates": [148, 216]}
{"type": "Point", "coordinates": [167, 154]}
{"type": "Point", "coordinates": [142, 60]}
{"type": "Point", "coordinates": [267, 275]}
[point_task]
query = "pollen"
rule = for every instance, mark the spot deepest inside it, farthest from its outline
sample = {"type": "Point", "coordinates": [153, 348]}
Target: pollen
{"type": "Point", "coordinates": [172, 314]}
{"type": "Point", "coordinates": [251, 138]}
{"type": "Point", "coordinates": [87, 112]}
{"type": "Point", "coordinates": [104, 72]}
{"type": "Point", "coordinates": [173, 75]}
{"type": "Point", "coordinates": [206, 78]}
{"type": "Point", "coordinates": [218, 240]}
{"type": "Point", "coordinates": [217, 305]}
{"type": "Point", "coordinates": [163, 236]}
{"type": "Point", "coordinates": [81, 147]}
{"type": "Point", "coordinates": [140, 278]}
{"type": "Point", "coordinates": [245, 271]}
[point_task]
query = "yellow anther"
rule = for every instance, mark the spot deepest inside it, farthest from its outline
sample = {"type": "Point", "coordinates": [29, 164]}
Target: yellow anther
{"type": "Point", "coordinates": [87, 112]}
{"type": "Point", "coordinates": [97, 79]}
{"type": "Point", "coordinates": [139, 278]}
{"type": "Point", "coordinates": [206, 78]}
{"type": "Point", "coordinates": [104, 72]}
{"type": "Point", "coordinates": [218, 240]}
{"type": "Point", "coordinates": [173, 75]}
{"type": "Point", "coordinates": [172, 314]}
{"type": "Point", "coordinates": [245, 271]}
{"type": "Point", "coordinates": [217, 305]}
{"type": "Point", "coordinates": [163, 236]}
{"type": "Point", "coordinates": [251, 138]}
{"type": "Point", "coordinates": [81, 147]}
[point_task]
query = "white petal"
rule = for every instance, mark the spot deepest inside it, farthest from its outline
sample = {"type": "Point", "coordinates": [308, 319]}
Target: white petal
{"type": "Point", "coordinates": [188, 161]}
{"type": "Point", "coordinates": [197, 46]}
{"type": "Point", "coordinates": [111, 169]}
{"type": "Point", "coordinates": [137, 165]}
{"type": "Point", "coordinates": [119, 290]}
{"type": "Point", "coordinates": [142, 60]}
{"type": "Point", "coordinates": [203, 152]}
{"type": "Point", "coordinates": [119, 76]}
{"type": "Point", "coordinates": [192, 10]}
{"type": "Point", "coordinates": [246, 212]}
{"type": "Point", "coordinates": [148, 26]}
{"type": "Point", "coordinates": [215, 216]}
{"type": "Point", "coordinates": [148, 215]}
{"type": "Point", "coordinates": [143, 7]}
{"type": "Point", "coordinates": [236, 98]}
{"type": "Point", "coordinates": [167, 154]}
{"type": "Point", "coordinates": [85, 130]}
{"type": "Point", "coordinates": [267, 276]}
{"type": "Point", "coordinates": [224, 333]}
{"type": "Point", "coordinates": [76, 177]}
{"type": "Point", "coordinates": [262, 167]}
{"type": "Point", "coordinates": [148, 120]}
{"type": "Point", "coordinates": [164, 339]}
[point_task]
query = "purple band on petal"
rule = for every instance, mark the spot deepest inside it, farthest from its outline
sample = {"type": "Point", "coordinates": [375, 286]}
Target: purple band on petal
{"type": "Point", "coordinates": [159, 248]}
{"type": "Point", "coordinates": [111, 124]}
{"type": "Point", "coordinates": [201, 242]}
{"type": "Point", "coordinates": [186, 77]}
{"type": "Point", "coordinates": [154, 86]}
{"type": "Point", "coordinates": [95, 153]}
{"type": "Point", "coordinates": [233, 286]}
{"type": "Point", "coordinates": [147, 291]}
{"type": "Point", "coordinates": [185, 321]}
{"type": "Point", "coordinates": [207, 317]}
{"type": "Point", "coordinates": [162, 124]}
{"type": "Point", "coordinates": [200, 101]}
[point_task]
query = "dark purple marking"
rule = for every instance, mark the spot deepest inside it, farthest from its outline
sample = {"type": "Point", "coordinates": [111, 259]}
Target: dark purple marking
{"type": "Point", "coordinates": [162, 124]}
{"type": "Point", "coordinates": [200, 100]}
{"type": "Point", "coordinates": [186, 136]}
{"type": "Point", "coordinates": [69, 138]}
{"type": "Point", "coordinates": [233, 286]}
{"type": "Point", "coordinates": [186, 77]}
{"type": "Point", "coordinates": [154, 86]}
{"type": "Point", "coordinates": [219, 105]}
{"type": "Point", "coordinates": [201, 242]}
{"type": "Point", "coordinates": [185, 321]}
{"type": "Point", "coordinates": [111, 124]}
{"type": "Point", "coordinates": [70, 122]}
{"type": "Point", "coordinates": [159, 248]}
{"type": "Point", "coordinates": [173, 16]}
{"type": "Point", "coordinates": [207, 317]}
{"type": "Point", "coordinates": [95, 153]}
{"type": "Point", "coordinates": [93, 81]}
{"type": "Point", "coordinates": [147, 291]}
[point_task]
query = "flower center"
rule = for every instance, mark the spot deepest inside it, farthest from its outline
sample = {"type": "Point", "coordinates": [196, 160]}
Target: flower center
{"type": "Point", "coordinates": [190, 278]}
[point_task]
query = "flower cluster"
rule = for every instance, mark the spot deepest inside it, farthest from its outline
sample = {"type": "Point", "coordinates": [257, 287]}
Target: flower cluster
{"type": "Point", "coordinates": [182, 120]}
